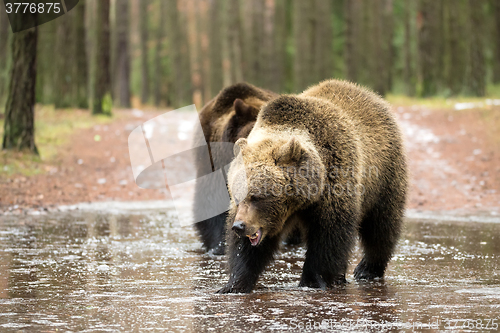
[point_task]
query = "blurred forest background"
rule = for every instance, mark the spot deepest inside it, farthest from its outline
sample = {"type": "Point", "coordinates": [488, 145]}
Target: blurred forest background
{"type": "Point", "coordinates": [170, 53]}
{"type": "Point", "coordinates": [116, 56]}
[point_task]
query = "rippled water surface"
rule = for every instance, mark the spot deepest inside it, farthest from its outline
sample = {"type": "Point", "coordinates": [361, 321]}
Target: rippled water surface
{"type": "Point", "coordinates": [91, 271]}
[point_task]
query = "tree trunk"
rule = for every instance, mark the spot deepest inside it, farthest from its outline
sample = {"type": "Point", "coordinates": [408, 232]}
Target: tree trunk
{"type": "Point", "coordinates": [428, 46]}
{"type": "Point", "coordinates": [19, 131]}
{"type": "Point", "coordinates": [204, 31]}
{"type": "Point", "coordinates": [496, 36]}
{"type": "Point", "coordinates": [476, 78]}
{"type": "Point", "coordinates": [179, 55]}
{"type": "Point", "coordinates": [351, 9]}
{"type": "Point", "coordinates": [45, 63]}
{"type": "Point", "coordinates": [249, 55]}
{"type": "Point", "coordinates": [159, 70]}
{"type": "Point", "coordinates": [303, 35]}
{"type": "Point", "coordinates": [256, 66]}
{"type": "Point", "coordinates": [191, 10]}
{"type": "Point", "coordinates": [4, 52]}
{"type": "Point", "coordinates": [63, 57]}
{"type": "Point", "coordinates": [268, 55]}
{"type": "Point", "coordinates": [144, 36]}
{"type": "Point", "coordinates": [121, 73]}
{"type": "Point", "coordinates": [215, 47]}
{"type": "Point", "coordinates": [279, 54]}
{"type": "Point", "coordinates": [409, 59]}
{"type": "Point", "coordinates": [102, 102]}
{"type": "Point", "coordinates": [225, 45]}
{"type": "Point", "coordinates": [388, 36]}
{"type": "Point", "coordinates": [323, 39]}
{"type": "Point", "coordinates": [235, 32]}
{"type": "Point", "coordinates": [457, 45]}
{"type": "Point", "coordinates": [80, 63]}
{"type": "Point", "coordinates": [376, 59]}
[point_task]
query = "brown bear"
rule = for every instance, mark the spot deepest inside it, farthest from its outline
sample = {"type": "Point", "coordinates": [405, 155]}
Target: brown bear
{"type": "Point", "coordinates": [226, 118]}
{"type": "Point", "coordinates": [329, 160]}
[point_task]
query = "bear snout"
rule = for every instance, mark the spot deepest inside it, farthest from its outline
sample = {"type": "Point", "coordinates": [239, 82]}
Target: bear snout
{"type": "Point", "coordinates": [239, 228]}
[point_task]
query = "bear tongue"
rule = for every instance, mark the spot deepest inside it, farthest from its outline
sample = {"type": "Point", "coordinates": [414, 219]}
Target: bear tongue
{"type": "Point", "coordinates": [255, 238]}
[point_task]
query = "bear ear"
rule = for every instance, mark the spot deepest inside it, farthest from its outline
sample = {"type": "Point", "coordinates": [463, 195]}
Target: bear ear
{"type": "Point", "coordinates": [244, 110]}
{"type": "Point", "coordinates": [290, 152]}
{"type": "Point", "coordinates": [240, 144]}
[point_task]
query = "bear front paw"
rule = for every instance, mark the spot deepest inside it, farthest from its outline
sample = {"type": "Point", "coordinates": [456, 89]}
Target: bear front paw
{"type": "Point", "coordinates": [318, 281]}
{"type": "Point", "coordinates": [366, 271]}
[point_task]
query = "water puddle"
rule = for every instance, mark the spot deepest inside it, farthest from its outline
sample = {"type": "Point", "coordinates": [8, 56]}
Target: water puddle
{"type": "Point", "coordinates": [92, 271]}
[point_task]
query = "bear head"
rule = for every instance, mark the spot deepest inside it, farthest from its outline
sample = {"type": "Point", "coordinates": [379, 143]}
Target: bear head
{"type": "Point", "coordinates": [270, 179]}
{"type": "Point", "coordinates": [241, 122]}
{"type": "Point", "coordinates": [232, 113]}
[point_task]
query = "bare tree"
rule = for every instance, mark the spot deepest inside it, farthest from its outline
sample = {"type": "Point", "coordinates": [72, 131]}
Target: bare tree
{"type": "Point", "coordinates": [63, 78]}
{"type": "Point", "coordinates": [121, 72]}
{"type": "Point", "coordinates": [179, 55]}
{"type": "Point", "coordinates": [409, 71]}
{"type": "Point", "coordinates": [101, 81]}
{"type": "Point", "coordinates": [456, 42]}
{"type": "Point", "coordinates": [322, 41]}
{"type": "Point", "coordinates": [191, 10]}
{"type": "Point", "coordinates": [303, 32]}
{"type": "Point", "coordinates": [351, 12]}
{"type": "Point", "coordinates": [144, 35]}
{"type": "Point", "coordinates": [476, 74]}
{"type": "Point", "coordinates": [215, 49]}
{"type": "Point", "coordinates": [429, 46]}
{"type": "Point", "coordinates": [19, 126]}
{"type": "Point", "coordinates": [496, 36]}
{"type": "Point", "coordinates": [80, 63]}
{"type": "Point", "coordinates": [4, 52]}
{"type": "Point", "coordinates": [279, 61]}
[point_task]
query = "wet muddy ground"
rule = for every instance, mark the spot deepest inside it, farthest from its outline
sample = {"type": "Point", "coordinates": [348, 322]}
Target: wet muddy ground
{"type": "Point", "coordinates": [95, 271]}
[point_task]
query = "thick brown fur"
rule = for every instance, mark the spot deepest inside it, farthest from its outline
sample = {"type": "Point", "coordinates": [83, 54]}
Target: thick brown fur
{"type": "Point", "coordinates": [226, 118]}
{"type": "Point", "coordinates": [330, 160]}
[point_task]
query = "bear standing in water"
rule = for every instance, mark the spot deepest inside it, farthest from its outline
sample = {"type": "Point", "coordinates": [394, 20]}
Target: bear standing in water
{"type": "Point", "coordinates": [226, 118]}
{"type": "Point", "coordinates": [330, 161]}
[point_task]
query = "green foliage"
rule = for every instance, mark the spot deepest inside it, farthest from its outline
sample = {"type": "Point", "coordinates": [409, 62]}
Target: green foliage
{"type": "Point", "coordinates": [172, 78]}
{"type": "Point", "coordinates": [445, 101]}
{"type": "Point", "coordinates": [53, 130]}
{"type": "Point", "coordinates": [107, 104]}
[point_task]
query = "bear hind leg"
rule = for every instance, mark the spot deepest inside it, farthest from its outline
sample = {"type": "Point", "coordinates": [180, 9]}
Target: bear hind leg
{"type": "Point", "coordinates": [379, 233]}
{"type": "Point", "coordinates": [212, 233]}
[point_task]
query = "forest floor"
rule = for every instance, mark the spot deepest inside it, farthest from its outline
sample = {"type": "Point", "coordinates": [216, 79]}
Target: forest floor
{"type": "Point", "coordinates": [454, 160]}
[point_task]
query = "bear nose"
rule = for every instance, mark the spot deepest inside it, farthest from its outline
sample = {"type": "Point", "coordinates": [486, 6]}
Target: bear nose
{"type": "Point", "coordinates": [239, 227]}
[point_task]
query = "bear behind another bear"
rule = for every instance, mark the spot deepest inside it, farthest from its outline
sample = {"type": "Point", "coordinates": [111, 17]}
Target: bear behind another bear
{"type": "Point", "coordinates": [226, 118]}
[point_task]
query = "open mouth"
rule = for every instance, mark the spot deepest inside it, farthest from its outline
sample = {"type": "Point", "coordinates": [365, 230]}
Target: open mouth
{"type": "Point", "coordinates": [255, 238]}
